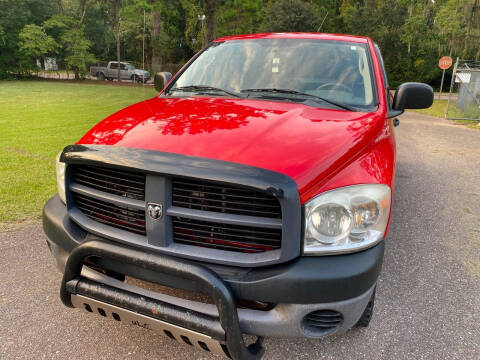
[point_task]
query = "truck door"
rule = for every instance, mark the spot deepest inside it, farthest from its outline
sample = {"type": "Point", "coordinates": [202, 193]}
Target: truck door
{"type": "Point", "coordinates": [124, 72]}
{"type": "Point", "coordinates": [112, 70]}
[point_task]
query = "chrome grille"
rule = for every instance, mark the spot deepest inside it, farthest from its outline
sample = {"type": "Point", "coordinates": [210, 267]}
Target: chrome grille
{"type": "Point", "coordinates": [228, 199]}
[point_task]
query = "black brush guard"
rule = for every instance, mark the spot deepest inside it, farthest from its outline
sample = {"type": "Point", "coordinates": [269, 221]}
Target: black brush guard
{"type": "Point", "coordinates": [74, 283]}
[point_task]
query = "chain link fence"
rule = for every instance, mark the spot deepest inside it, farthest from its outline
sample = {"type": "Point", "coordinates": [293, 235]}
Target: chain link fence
{"type": "Point", "coordinates": [464, 96]}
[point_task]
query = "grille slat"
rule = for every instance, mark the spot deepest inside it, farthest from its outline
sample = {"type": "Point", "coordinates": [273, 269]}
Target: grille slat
{"type": "Point", "coordinates": [121, 217]}
{"type": "Point", "coordinates": [225, 236]}
{"type": "Point", "coordinates": [219, 246]}
{"type": "Point", "coordinates": [239, 232]}
{"type": "Point", "coordinates": [209, 196]}
{"type": "Point", "coordinates": [92, 181]}
{"type": "Point", "coordinates": [108, 207]}
{"type": "Point", "coordinates": [231, 232]}
{"type": "Point", "coordinates": [224, 201]}
{"type": "Point", "coordinates": [224, 209]}
{"type": "Point", "coordinates": [120, 173]}
{"type": "Point", "coordinates": [121, 214]}
{"type": "Point", "coordinates": [118, 182]}
{"type": "Point", "coordinates": [108, 175]}
{"type": "Point", "coordinates": [199, 183]}
{"type": "Point", "coordinates": [237, 196]}
{"type": "Point", "coordinates": [215, 236]}
{"type": "Point", "coordinates": [115, 224]}
{"type": "Point", "coordinates": [100, 210]}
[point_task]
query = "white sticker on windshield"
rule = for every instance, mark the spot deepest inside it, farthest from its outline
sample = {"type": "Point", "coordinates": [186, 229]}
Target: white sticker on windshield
{"type": "Point", "coordinates": [275, 69]}
{"type": "Point", "coordinates": [353, 47]}
{"type": "Point", "coordinates": [276, 60]}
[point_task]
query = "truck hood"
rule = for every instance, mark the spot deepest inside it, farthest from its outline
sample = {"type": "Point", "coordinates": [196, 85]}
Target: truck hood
{"type": "Point", "coordinates": [303, 142]}
{"type": "Point", "coordinates": [141, 72]}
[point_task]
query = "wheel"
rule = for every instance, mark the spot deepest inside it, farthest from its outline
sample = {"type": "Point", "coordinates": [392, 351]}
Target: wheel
{"type": "Point", "coordinates": [364, 320]}
{"type": "Point", "coordinates": [110, 79]}
{"type": "Point", "coordinates": [136, 79]}
{"type": "Point", "coordinates": [101, 76]}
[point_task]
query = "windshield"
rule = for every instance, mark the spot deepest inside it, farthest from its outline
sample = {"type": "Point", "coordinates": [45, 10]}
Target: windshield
{"type": "Point", "coordinates": [319, 69]}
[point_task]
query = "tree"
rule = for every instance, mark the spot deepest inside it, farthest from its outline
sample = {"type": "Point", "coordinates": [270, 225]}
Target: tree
{"type": "Point", "coordinates": [411, 33]}
{"type": "Point", "coordinates": [239, 17]}
{"type": "Point", "coordinates": [156, 37]}
{"type": "Point", "coordinates": [35, 44]}
{"type": "Point", "coordinates": [77, 49]}
{"type": "Point", "coordinates": [3, 37]}
{"type": "Point", "coordinates": [290, 15]}
{"type": "Point", "coordinates": [14, 15]}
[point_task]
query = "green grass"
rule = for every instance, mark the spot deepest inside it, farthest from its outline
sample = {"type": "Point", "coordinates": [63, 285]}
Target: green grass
{"type": "Point", "coordinates": [38, 119]}
{"type": "Point", "coordinates": [438, 109]}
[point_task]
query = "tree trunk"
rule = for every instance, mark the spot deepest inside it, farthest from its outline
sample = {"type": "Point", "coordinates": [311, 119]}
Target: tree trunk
{"type": "Point", "coordinates": [410, 12]}
{"type": "Point", "coordinates": [83, 9]}
{"type": "Point", "coordinates": [469, 27]}
{"type": "Point", "coordinates": [211, 15]}
{"type": "Point", "coordinates": [117, 35]}
{"type": "Point", "coordinates": [156, 54]}
{"type": "Point", "coordinates": [60, 7]}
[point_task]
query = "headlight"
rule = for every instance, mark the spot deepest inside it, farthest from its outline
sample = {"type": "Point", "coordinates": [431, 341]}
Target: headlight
{"type": "Point", "coordinates": [347, 219]}
{"type": "Point", "coordinates": [60, 166]}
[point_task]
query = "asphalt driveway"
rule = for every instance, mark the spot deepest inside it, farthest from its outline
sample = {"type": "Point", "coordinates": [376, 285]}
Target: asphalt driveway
{"type": "Point", "coordinates": [428, 296]}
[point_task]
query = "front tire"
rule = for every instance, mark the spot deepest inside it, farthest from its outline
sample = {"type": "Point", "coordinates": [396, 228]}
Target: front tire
{"type": "Point", "coordinates": [101, 76]}
{"type": "Point", "coordinates": [366, 317]}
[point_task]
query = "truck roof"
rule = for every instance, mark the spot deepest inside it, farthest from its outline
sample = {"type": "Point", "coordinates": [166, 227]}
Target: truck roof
{"type": "Point", "coordinates": [297, 35]}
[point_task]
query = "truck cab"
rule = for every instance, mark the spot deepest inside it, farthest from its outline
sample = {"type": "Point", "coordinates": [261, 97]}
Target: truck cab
{"type": "Point", "coordinates": [261, 176]}
{"type": "Point", "coordinates": [127, 72]}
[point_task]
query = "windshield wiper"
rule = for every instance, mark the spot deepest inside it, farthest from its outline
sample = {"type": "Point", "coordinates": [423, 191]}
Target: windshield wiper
{"type": "Point", "coordinates": [295, 92]}
{"type": "Point", "coordinates": [200, 88]}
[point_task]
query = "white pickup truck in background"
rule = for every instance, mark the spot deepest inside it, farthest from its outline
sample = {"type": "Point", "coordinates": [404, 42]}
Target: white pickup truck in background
{"type": "Point", "coordinates": [127, 72]}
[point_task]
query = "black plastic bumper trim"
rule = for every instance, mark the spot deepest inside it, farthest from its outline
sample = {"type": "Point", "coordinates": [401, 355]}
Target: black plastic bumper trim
{"type": "Point", "coordinates": [213, 285]}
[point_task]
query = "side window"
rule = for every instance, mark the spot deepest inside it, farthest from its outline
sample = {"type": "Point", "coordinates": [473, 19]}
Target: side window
{"type": "Point", "coordinates": [113, 65]}
{"type": "Point", "coordinates": [123, 67]}
{"type": "Point", "coordinates": [384, 74]}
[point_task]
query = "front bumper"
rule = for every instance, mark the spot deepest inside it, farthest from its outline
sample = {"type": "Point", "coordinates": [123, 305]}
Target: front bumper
{"type": "Point", "coordinates": [343, 283]}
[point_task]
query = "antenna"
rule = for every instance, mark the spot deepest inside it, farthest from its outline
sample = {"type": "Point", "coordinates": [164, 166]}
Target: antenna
{"type": "Point", "coordinates": [322, 22]}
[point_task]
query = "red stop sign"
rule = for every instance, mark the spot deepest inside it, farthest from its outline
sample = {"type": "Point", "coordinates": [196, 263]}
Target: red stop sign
{"type": "Point", "coordinates": [445, 62]}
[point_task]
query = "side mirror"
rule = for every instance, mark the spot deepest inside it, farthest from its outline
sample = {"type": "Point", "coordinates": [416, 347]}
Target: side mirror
{"type": "Point", "coordinates": [161, 79]}
{"type": "Point", "coordinates": [413, 95]}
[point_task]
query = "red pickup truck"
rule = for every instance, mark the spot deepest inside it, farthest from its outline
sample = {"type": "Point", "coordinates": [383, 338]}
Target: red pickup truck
{"type": "Point", "coordinates": [259, 182]}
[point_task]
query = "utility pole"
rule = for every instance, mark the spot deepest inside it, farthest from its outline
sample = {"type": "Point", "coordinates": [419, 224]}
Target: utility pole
{"type": "Point", "coordinates": [451, 86]}
{"type": "Point", "coordinates": [117, 35]}
{"type": "Point", "coordinates": [202, 18]}
{"type": "Point", "coordinates": [143, 49]}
